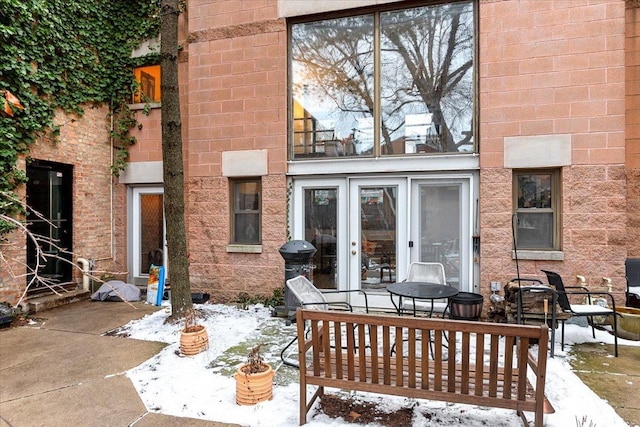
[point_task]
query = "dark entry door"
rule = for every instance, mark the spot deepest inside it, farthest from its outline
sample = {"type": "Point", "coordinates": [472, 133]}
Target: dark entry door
{"type": "Point", "coordinates": [49, 193]}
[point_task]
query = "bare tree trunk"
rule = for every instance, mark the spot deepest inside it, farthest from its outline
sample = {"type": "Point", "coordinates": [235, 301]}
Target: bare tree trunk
{"type": "Point", "coordinates": [173, 166]}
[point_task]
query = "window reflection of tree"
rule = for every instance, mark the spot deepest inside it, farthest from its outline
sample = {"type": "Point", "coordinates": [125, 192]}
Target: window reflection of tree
{"type": "Point", "coordinates": [427, 59]}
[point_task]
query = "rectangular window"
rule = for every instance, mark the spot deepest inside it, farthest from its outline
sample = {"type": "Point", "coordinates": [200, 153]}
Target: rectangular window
{"type": "Point", "coordinates": [384, 83]}
{"type": "Point", "coordinates": [246, 211]}
{"type": "Point", "coordinates": [149, 80]}
{"type": "Point", "coordinates": [537, 204]}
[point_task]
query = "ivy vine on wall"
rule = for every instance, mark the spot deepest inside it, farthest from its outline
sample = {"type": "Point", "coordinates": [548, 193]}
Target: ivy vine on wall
{"type": "Point", "coordinates": [60, 54]}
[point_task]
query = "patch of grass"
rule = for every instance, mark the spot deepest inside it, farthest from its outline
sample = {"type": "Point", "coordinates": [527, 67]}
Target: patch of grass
{"type": "Point", "coordinates": [274, 300]}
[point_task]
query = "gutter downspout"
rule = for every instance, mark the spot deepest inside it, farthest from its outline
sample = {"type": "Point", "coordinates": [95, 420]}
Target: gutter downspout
{"type": "Point", "coordinates": [85, 273]}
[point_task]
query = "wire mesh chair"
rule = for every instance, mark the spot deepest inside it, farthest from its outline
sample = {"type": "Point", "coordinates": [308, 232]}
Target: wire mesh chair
{"type": "Point", "coordinates": [310, 297]}
{"type": "Point", "coordinates": [428, 272]}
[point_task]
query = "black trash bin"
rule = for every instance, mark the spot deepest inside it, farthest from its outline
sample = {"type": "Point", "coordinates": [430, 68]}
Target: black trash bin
{"type": "Point", "coordinates": [297, 256]}
{"type": "Point", "coordinates": [466, 306]}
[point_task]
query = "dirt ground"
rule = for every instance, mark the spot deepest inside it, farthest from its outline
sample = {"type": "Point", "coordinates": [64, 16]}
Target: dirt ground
{"type": "Point", "coordinates": [364, 413]}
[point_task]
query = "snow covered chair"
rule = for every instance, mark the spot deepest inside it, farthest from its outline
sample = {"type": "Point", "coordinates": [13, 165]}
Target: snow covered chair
{"type": "Point", "coordinates": [588, 310]}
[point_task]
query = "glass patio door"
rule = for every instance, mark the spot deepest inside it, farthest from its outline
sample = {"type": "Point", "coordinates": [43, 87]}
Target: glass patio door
{"type": "Point", "coordinates": [148, 241]}
{"type": "Point", "coordinates": [441, 224]}
{"type": "Point", "coordinates": [377, 236]}
{"type": "Point", "coordinates": [320, 218]}
{"type": "Point", "coordinates": [49, 193]}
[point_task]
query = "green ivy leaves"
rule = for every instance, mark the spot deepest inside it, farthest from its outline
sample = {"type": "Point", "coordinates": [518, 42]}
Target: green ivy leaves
{"type": "Point", "coordinates": [60, 54]}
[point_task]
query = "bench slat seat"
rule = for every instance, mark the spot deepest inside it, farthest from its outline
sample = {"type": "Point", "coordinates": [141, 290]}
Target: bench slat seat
{"type": "Point", "coordinates": [485, 364]}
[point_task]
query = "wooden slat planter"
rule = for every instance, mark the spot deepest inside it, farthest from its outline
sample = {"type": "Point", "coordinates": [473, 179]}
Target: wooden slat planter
{"type": "Point", "coordinates": [357, 352]}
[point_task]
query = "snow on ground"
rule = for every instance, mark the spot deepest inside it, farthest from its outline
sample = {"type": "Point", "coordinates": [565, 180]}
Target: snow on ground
{"type": "Point", "coordinates": [202, 386]}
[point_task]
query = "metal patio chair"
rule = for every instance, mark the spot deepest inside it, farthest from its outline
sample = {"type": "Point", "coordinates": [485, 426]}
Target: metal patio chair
{"type": "Point", "coordinates": [430, 272]}
{"type": "Point", "coordinates": [533, 290]}
{"type": "Point", "coordinates": [588, 310]}
{"type": "Point", "coordinates": [310, 297]}
{"type": "Point", "coordinates": [632, 274]}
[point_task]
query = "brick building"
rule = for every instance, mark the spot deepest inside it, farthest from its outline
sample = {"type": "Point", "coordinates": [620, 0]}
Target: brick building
{"type": "Point", "coordinates": [70, 185]}
{"type": "Point", "coordinates": [387, 132]}
{"type": "Point", "coordinates": [529, 111]}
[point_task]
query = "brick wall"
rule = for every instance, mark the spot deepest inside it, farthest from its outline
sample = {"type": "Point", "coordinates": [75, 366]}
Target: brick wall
{"type": "Point", "coordinates": [237, 101]}
{"type": "Point", "coordinates": [148, 146]}
{"type": "Point", "coordinates": [83, 143]}
{"type": "Point", "coordinates": [632, 58]}
{"type": "Point", "coordinates": [14, 253]}
{"type": "Point", "coordinates": [556, 68]}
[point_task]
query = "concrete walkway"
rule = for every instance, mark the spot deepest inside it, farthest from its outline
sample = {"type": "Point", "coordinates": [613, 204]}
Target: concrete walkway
{"type": "Point", "coordinates": [65, 372]}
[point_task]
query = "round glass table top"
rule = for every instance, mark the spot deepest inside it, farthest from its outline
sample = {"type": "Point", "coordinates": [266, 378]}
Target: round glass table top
{"type": "Point", "coordinates": [422, 290]}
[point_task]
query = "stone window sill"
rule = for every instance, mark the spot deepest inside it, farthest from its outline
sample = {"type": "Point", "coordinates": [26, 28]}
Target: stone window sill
{"type": "Point", "coordinates": [247, 249]}
{"type": "Point", "coordinates": [141, 105]}
{"type": "Point", "coordinates": [538, 255]}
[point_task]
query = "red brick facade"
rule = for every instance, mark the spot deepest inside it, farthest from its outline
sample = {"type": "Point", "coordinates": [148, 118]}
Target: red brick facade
{"type": "Point", "coordinates": [83, 143]}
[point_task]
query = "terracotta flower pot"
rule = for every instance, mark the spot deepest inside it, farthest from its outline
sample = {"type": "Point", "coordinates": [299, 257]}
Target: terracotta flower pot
{"type": "Point", "coordinates": [193, 340]}
{"type": "Point", "coordinates": [253, 388]}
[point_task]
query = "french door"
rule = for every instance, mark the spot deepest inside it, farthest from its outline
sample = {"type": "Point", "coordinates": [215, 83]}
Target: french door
{"type": "Point", "coordinates": [441, 224]}
{"type": "Point", "coordinates": [377, 236]}
{"type": "Point", "coordinates": [320, 218]}
{"type": "Point", "coordinates": [368, 230]}
{"type": "Point", "coordinates": [148, 242]}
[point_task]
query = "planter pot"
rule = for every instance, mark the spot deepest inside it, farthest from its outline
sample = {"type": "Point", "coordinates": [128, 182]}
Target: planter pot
{"type": "Point", "coordinates": [193, 340]}
{"type": "Point", "coordinates": [628, 323]}
{"type": "Point", "coordinates": [253, 388]}
{"type": "Point", "coordinates": [466, 306]}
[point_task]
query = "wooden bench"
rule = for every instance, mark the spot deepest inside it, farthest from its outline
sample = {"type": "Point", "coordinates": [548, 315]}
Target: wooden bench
{"type": "Point", "coordinates": [383, 354]}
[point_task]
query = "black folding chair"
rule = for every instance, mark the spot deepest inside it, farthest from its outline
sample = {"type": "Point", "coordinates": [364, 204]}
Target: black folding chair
{"type": "Point", "coordinates": [588, 310]}
{"type": "Point", "coordinates": [632, 273]}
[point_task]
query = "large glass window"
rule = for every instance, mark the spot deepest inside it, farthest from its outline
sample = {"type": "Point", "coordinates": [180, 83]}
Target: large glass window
{"type": "Point", "coordinates": [537, 201]}
{"type": "Point", "coordinates": [392, 82]}
{"type": "Point", "coordinates": [246, 208]}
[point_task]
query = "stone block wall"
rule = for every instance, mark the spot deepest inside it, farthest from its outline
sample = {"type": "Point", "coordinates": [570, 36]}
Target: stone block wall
{"type": "Point", "coordinates": [237, 88]}
{"type": "Point", "coordinates": [224, 275]}
{"type": "Point", "coordinates": [556, 68]}
{"type": "Point", "coordinates": [632, 57]}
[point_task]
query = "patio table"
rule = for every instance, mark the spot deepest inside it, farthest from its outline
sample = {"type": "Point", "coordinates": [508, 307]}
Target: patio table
{"type": "Point", "coordinates": [420, 291]}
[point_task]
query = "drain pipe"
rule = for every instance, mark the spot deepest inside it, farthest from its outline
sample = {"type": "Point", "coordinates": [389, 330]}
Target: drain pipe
{"type": "Point", "coordinates": [85, 273]}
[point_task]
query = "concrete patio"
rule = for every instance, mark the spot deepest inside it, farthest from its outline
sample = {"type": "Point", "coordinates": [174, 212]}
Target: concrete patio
{"type": "Point", "coordinates": [64, 371]}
